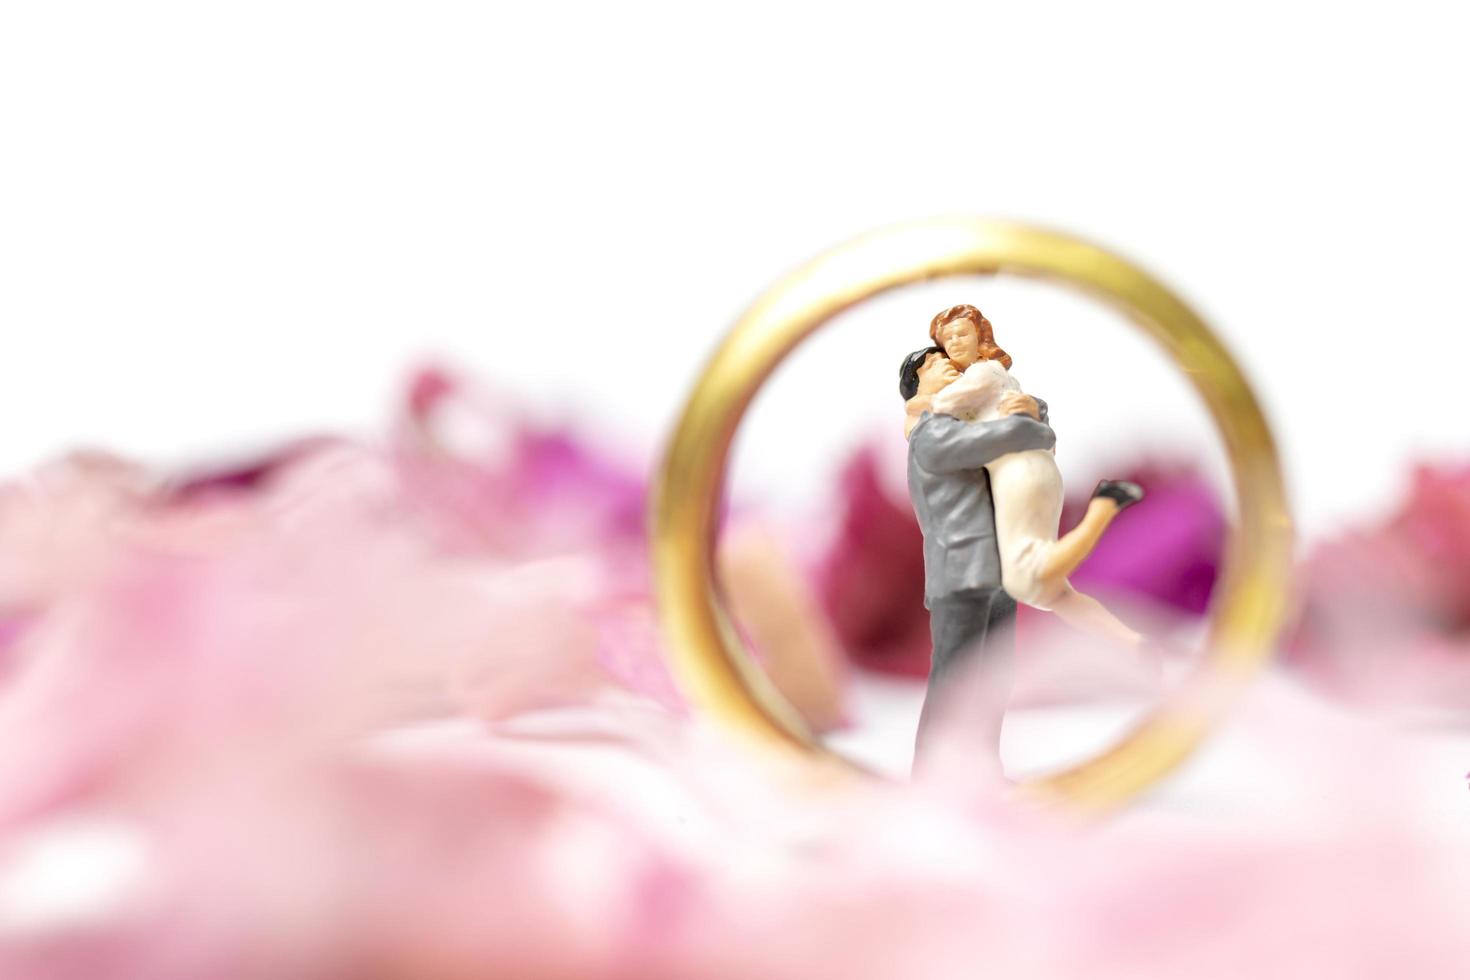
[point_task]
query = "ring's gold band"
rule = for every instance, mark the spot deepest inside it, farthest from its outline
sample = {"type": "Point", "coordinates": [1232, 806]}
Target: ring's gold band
{"type": "Point", "coordinates": [706, 653]}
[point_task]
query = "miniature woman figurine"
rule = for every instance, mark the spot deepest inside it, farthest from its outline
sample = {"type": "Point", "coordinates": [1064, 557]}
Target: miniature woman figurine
{"type": "Point", "coordinates": [971, 613]}
{"type": "Point", "coordinates": [1026, 491]}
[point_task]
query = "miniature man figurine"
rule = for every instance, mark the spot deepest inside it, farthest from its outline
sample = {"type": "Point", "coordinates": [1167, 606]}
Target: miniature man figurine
{"type": "Point", "coordinates": [965, 414]}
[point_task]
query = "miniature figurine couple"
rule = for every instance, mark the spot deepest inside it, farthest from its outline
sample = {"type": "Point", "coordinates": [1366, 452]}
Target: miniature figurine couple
{"type": "Point", "coordinates": [988, 496]}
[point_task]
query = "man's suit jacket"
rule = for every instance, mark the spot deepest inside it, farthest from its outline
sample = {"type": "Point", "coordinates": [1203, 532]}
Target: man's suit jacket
{"type": "Point", "coordinates": [951, 494]}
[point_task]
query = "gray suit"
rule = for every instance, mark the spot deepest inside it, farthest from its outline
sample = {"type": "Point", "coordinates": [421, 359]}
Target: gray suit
{"type": "Point", "coordinates": [968, 610]}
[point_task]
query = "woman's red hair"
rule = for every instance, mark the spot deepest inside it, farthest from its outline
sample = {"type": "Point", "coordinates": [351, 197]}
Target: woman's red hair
{"type": "Point", "coordinates": [988, 349]}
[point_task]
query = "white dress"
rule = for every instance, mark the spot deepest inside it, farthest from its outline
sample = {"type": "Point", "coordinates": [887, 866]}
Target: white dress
{"type": "Point", "coordinates": [1025, 487]}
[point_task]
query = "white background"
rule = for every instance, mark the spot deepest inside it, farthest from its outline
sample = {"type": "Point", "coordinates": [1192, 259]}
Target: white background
{"type": "Point", "coordinates": [223, 224]}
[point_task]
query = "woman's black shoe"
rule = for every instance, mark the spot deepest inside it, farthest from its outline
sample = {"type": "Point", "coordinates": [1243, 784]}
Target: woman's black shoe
{"type": "Point", "coordinates": [1120, 492]}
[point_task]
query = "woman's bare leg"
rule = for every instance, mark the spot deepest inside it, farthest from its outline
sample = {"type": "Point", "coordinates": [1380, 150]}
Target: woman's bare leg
{"type": "Point", "coordinates": [1072, 548]}
{"type": "Point", "coordinates": [1085, 613]}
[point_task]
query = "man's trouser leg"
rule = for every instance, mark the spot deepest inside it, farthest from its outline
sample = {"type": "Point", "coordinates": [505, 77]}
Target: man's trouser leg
{"type": "Point", "coordinates": [971, 631]}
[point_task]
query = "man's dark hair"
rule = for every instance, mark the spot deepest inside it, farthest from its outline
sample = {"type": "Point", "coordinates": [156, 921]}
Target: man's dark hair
{"type": "Point", "coordinates": [908, 372]}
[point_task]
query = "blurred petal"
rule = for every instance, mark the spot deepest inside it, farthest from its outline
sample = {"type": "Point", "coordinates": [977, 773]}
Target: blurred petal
{"type": "Point", "coordinates": [871, 582]}
{"type": "Point", "coordinates": [1386, 610]}
{"type": "Point", "coordinates": [1166, 549]}
{"type": "Point", "coordinates": [773, 605]}
{"type": "Point", "coordinates": [273, 722]}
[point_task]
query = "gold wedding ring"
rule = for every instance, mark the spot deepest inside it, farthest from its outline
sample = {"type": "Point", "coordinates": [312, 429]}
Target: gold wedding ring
{"type": "Point", "coordinates": [706, 653]}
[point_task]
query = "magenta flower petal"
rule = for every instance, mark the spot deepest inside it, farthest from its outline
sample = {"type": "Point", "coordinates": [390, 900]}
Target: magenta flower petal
{"type": "Point", "coordinates": [871, 581]}
{"type": "Point", "coordinates": [1166, 549]}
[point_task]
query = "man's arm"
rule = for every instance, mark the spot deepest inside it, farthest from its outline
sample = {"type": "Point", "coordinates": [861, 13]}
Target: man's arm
{"type": "Point", "coordinates": [946, 445]}
{"type": "Point", "coordinates": [1018, 403]}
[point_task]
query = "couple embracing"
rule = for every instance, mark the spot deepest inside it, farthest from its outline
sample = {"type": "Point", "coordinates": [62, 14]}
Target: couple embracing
{"type": "Point", "coordinates": [988, 497]}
